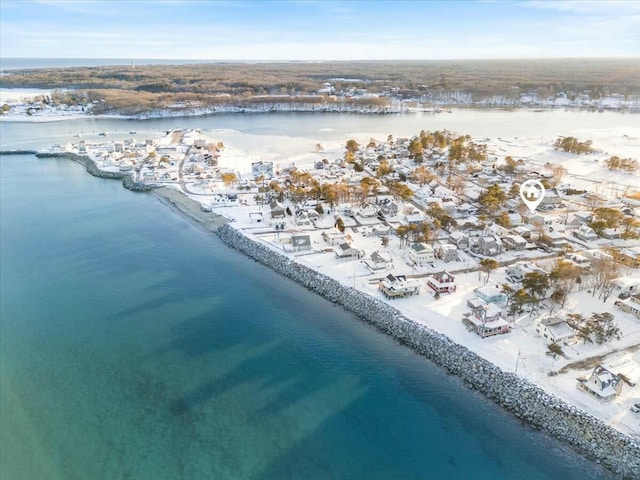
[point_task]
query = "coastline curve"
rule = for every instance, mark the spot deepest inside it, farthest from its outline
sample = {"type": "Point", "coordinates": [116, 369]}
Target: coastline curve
{"type": "Point", "coordinates": [530, 403]}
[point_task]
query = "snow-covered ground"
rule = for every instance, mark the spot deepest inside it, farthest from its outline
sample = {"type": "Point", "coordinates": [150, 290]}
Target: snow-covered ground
{"type": "Point", "coordinates": [522, 349]}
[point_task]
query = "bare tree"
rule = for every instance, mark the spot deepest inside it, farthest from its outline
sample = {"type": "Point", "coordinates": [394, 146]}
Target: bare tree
{"type": "Point", "coordinates": [604, 270]}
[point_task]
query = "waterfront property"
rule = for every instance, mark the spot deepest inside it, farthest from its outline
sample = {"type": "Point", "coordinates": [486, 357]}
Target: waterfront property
{"type": "Point", "coordinates": [486, 320]}
{"type": "Point", "coordinates": [602, 384]}
{"type": "Point", "coordinates": [379, 261]}
{"type": "Point", "coordinates": [398, 286]}
{"type": "Point", "coordinates": [555, 330]}
{"type": "Point", "coordinates": [442, 282]}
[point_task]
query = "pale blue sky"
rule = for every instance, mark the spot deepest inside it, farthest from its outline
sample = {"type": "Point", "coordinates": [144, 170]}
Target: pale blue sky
{"type": "Point", "coordinates": [319, 30]}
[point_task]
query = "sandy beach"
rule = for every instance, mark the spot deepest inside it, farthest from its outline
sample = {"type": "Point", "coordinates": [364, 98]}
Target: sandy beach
{"type": "Point", "coordinates": [189, 207]}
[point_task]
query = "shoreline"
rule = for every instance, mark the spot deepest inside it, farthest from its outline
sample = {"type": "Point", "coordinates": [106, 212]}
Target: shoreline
{"type": "Point", "coordinates": [345, 109]}
{"type": "Point", "coordinates": [529, 402]}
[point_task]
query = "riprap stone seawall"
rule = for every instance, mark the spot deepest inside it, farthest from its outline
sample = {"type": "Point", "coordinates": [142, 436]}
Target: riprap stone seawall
{"type": "Point", "coordinates": [128, 181]}
{"type": "Point", "coordinates": [527, 401]}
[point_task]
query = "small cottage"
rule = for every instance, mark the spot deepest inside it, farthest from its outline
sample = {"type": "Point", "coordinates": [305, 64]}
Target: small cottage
{"type": "Point", "coordinates": [379, 261]}
{"type": "Point", "coordinates": [555, 330]}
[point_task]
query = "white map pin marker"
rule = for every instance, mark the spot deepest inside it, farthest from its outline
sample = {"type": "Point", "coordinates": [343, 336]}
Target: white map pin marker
{"type": "Point", "coordinates": [532, 193]}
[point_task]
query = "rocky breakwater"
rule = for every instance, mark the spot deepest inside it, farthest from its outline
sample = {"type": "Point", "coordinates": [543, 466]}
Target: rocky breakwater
{"type": "Point", "coordinates": [128, 181]}
{"type": "Point", "coordinates": [527, 401]}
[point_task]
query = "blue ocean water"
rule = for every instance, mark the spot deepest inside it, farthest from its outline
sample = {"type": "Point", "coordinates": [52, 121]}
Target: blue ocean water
{"type": "Point", "coordinates": [135, 345]}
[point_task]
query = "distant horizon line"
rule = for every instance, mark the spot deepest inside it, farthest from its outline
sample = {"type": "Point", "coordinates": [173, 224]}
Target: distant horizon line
{"type": "Point", "coordinates": [629, 57]}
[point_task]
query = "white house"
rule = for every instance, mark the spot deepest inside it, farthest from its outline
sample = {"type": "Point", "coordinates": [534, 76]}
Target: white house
{"type": "Point", "coordinates": [447, 252]}
{"type": "Point", "coordinates": [585, 233]}
{"type": "Point", "coordinates": [421, 254]}
{"type": "Point", "coordinates": [334, 237]}
{"type": "Point", "coordinates": [398, 286]}
{"type": "Point", "coordinates": [630, 305]}
{"type": "Point", "coordinates": [518, 270]}
{"type": "Point", "coordinates": [379, 261]}
{"type": "Point", "coordinates": [367, 210]}
{"type": "Point", "coordinates": [344, 250]}
{"type": "Point", "coordinates": [555, 330]}
{"type": "Point", "coordinates": [602, 384]}
{"type": "Point", "coordinates": [514, 242]}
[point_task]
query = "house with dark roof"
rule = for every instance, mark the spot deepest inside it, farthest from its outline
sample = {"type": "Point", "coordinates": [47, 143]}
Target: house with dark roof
{"type": "Point", "coordinates": [344, 250]}
{"type": "Point", "coordinates": [379, 261]}
{"type": "Point", "coordinates": [398, 286]}
{"type": "Point", "coordinates": [277, 210]}
{"type": "Point", "coordinates": [421, 254]}
{"type": "Point", "coordinates": [301, 242]}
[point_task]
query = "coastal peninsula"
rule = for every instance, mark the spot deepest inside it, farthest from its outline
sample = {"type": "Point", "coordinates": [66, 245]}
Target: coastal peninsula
{"type": "Point", "coordinates": [421, 255]}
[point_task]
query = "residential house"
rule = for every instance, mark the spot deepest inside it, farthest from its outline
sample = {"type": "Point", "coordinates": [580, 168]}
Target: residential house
{"type": "Point", "coordinates": [603, 384]}
{"type": "Point", "coordinates": [459, 239]}
{"type": "Point", "coordinates": [442, 282]}
{"type": "Point", "coordinates": [518, 270]}
{"type": "Point", "coordinates": [277, 210]}
{"type": "Point", "coordinates": [379, 230]}
{"type": "Point", "coordinates": [627, 285]}
{"type": "Point", "coordinates": [262, 169]}
{"type": "Point", "coordinates": [497, 230]}
{"type": "Point", "coordinates": [465, 210]}
{"type": "Point", "coordinates": [583, 217]}
{"type": "Point", "coordinates": [491, 294]}
{"type": "Point", "coordinates": [585, 233]}
{"type": "Point", "coordinates": [367, 210]}
{"type": "Point", "coordinates": [447, 252]}
{"type": "Point", "coordinates": [514, 242]}
{"type": "Point", "coordinates": [551, 198]}
{"type": "Point", "coordinates": [301, 242]}
{"type": "Point", "coordinates": [333, 237]}
{"type": "Point", "coordinates": [415, 218]}
{"type": "Point", "coordinates": [387, 206]}
{"type": "Point", "coordinates": [488, 245]}
{"type": "Point", "coordinates": [515, 219]}
{"type": "Point", "coordinates": [611, 234]}
{"type": "Point", "coordinates": [554, 239]}
{"type": "Point", "coordinates": [379, 261]}
{"type": "Point", "coordinates": [525, 232]}
{"type": "Point", "coordinates": [344, 209]}
{"type": "Point", "coordinates": [398, 286]}
{"type": "Point", "coordinates": [555, 330]}
{"type": "Point", "coordinates": [344, 250]}
{"type": "Point", "coordinates": [630, 256]}
{"type": "Point", "coordinates": [578, 260]}
{"type": "Point", "coordinates": [303, 219]}
{"type": "Point", "coordinates": [421, 254]}
{"type": "Point", "coordinates": [486, 320]}
{"type": "Point", "coordinates": [630, 305]}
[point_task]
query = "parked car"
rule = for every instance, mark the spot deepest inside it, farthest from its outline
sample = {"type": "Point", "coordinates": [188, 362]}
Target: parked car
{"type": "Point", "coordinates": [635, 408]}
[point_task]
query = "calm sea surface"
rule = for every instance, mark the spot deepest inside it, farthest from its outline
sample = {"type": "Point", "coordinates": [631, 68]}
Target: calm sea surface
{"type": "Point", "coordinates": [135, 345]}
